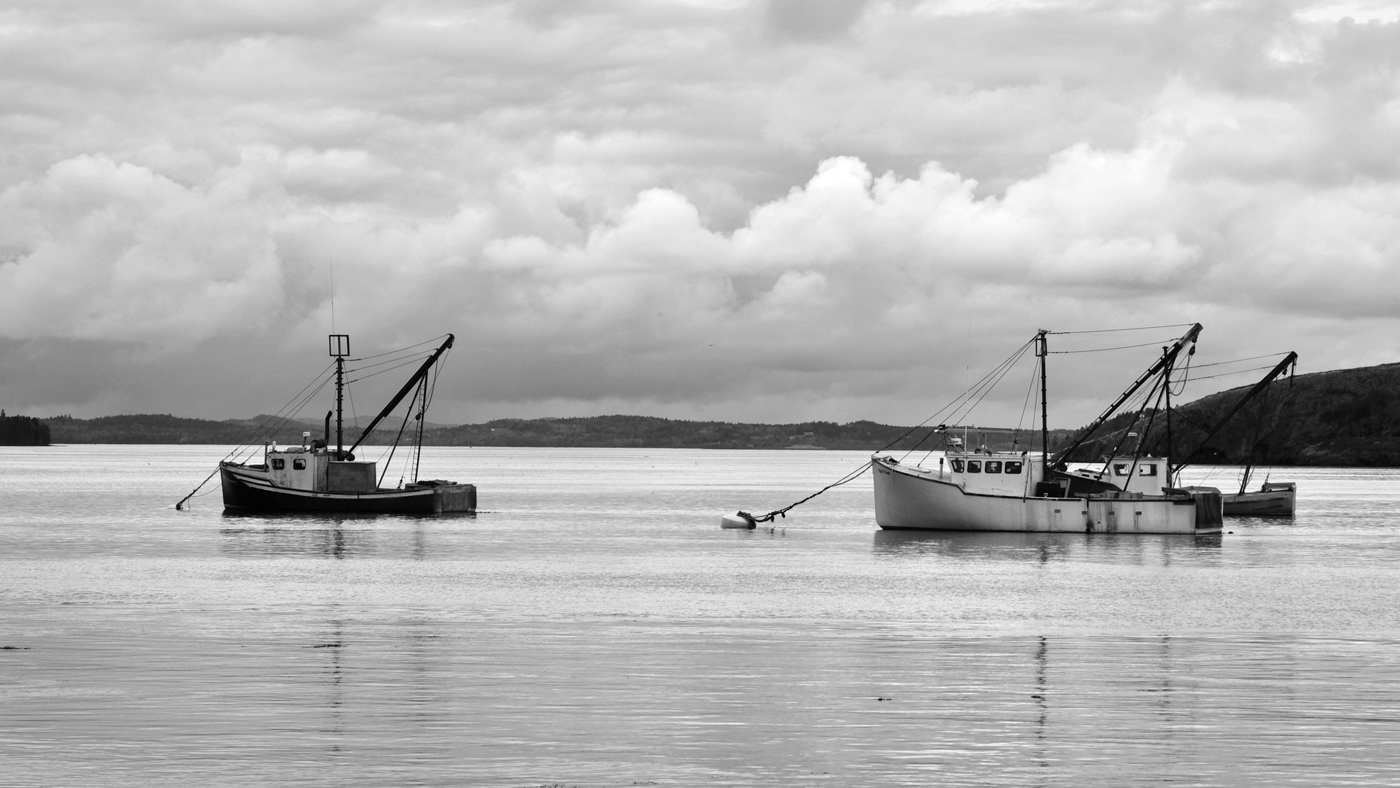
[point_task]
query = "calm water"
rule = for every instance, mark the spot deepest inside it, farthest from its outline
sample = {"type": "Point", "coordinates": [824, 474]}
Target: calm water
{"type": "Point", "coordinates": [593, 626]}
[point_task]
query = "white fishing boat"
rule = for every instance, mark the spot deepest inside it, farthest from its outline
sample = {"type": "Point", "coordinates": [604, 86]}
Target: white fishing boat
{"type": "Point", "coordinates": [982, 490]}
{"type": "Point", "coordinates": [1007, 491]}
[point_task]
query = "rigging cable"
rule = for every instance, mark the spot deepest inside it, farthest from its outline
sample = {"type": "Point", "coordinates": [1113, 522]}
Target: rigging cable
{"type": "Point", "coordinates": [1115, 330]}
{"type": "Point", "coordinates": [434, 341]}
{"type": "Point", "coordinates": [1102, 349]}
{"type": "Point", "coordinates": [858, 472]}
{"type": "Point", "coordinates": [268, 426]}
{"type": "Point", "coordinates": [1029, 402]}
{"type": "Point", "coordinates": [429, 391]}
{"type": "Point", "coordinates": [1186, 372]}
{"type": "Point", "coordinates": [397, 361]}
{"type": "Point", "coordinates": [399, 437]}
{"type": "Point", "coordinates": [987, 389]}
{"type": "Point", "coordinates": [963, 404]}
{"type": "Point", "coordinates": [1239, 360]}
{"type": "Point", "coordinates": [1228, 374]}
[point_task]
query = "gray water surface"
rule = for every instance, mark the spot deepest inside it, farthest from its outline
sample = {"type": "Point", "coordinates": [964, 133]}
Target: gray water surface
{"type": "Point", "coordinates": [593, 626]}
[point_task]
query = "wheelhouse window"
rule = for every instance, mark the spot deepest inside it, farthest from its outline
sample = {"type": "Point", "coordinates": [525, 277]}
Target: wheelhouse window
{"type": "Point", "coordinates": [278, 464]}
{"type": "Point", "coordinates": [1013, 466]}
{"type": "Point", "coordinates": [974, 466]}
{"type": "Point", "coordinates": [993, 466]}
{"type": "Point", "coordinates": [1147, 470]}
{"type": "Point", "coordinates": [1120, 469]}
{"type": "Point", "coordinates": [957, 465]}
{"type": "Point", "coordinates": [298, 465]}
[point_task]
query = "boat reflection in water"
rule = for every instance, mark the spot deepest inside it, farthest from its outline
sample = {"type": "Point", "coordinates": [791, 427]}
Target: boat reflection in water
{"type": "Point", "coordinates": [331, 536]}
{"type": "Point", "coordinates": [329, 542]}
{"type": "Point", "coordinates": [1041, 546]}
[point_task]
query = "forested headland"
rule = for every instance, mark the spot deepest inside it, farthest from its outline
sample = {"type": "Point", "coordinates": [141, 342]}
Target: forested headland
{"type": "Point", "coordinates": [22, 431]}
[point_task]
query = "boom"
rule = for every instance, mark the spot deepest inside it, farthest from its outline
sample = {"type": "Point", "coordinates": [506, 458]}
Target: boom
{"type": "Point", "coordinates": [1291, 358]}
{"type": "Point", "coordinates": [403, 392]}
{"type": "Point", "coordinates": [1168, 357]}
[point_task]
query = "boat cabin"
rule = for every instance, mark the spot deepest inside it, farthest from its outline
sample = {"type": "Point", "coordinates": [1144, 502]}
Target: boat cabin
{"type": "Point", "coordinates": [297, 468]}
{"type": "Point", "coordinates": [1146, 475]}
{"type": "Point", "coordinates": [311, 466]}
{"type": "Point", "coordinates": [994, 473]}
{"type": "Point", "coordinates": [1010, 473]}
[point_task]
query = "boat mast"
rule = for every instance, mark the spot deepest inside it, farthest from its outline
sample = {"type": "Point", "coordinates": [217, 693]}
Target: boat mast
{"type": "Point", "coordinates": [1043, 354]}
{"type": "Point", "coordinates": [1167, 387]}
{"type": "Point", "coordinates": [340, 348]}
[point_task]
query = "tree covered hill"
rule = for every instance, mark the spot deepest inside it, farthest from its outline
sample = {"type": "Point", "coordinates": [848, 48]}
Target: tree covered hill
{"type": "Point", "coordinates": [161, 428]}
{"type": "Point", "coordinates": [23, 431]}
{"type": "Point", "coordinates": [597, 431]}
{"type": "Point", "coordinates": [1339, 418]}
{"type": "Point", "coordinates": [592, 432]}
{"type": "Point", "coordinates": [652, 432]}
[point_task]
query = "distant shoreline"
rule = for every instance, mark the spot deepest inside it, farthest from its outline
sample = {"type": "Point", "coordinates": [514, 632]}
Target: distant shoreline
{"type": "Point", "coordinates": [1340, 418]}
{"type": "Point", "coordinates": [583, 432]}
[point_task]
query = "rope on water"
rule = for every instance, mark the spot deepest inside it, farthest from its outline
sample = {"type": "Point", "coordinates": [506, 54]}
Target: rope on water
{"type": "Point", "coordinates": [181, 504]}
{"type": "Point", "coordinates": [767, 518]}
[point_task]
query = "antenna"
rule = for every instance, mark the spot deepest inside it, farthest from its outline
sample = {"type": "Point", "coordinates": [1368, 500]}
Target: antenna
{"type": "Point", "coordinates": [340, 348]}
{"type": "Point", "coordinates": [331, 265]}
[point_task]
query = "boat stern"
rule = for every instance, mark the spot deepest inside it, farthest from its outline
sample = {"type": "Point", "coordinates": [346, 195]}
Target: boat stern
{"type": "Point", "coordinates": [450, 497]}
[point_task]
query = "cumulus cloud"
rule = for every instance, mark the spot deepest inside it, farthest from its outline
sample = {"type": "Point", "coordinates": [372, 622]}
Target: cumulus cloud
{"type": "Point", "coordinates": [100, 250]}
{"type": "Point", "coordinates": [766, 210]}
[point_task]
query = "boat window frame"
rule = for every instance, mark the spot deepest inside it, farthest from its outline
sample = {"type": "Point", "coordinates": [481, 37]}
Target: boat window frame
{"type": "Point", "coordinates": [299, 464]}
{"type": "Point", "coordinates": [957, 465]}
{"type": "Point", "coordinates": [974, 466]}
{"type": "Point", "coordinates": [1120, 469]}
{"type": "Point", "coordinates": [278, 464]}
{"type": "Point", "coordinates": [991, 466]}
{"type": "Point", "coordinates": [1150, 469]}
{"type": "Point", "coordinates": [1014, 466]}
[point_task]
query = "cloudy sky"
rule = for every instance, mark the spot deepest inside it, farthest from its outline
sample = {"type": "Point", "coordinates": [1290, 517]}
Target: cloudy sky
{"type": "Point", "coordinates": [765, 210]}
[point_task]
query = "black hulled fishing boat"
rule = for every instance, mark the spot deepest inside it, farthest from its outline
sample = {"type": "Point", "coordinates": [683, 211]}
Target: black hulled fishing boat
{"type": "Point", "coordinates": [314, 477]}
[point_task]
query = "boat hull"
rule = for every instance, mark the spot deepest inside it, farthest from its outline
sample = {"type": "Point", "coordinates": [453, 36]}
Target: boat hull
{"type": "Point", "coordinates": [917, 500]}
{"type": "Point", "coordinates": [1277, 502]}
{"type": "Point", "coordinates": [246, 491]}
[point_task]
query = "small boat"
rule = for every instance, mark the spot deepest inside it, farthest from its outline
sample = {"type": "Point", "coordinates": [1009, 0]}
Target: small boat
{"type": "Point", "coordinates": [313, 477]}
{"type": "Point", "coordinates": [984, 490]}
{"type": "Point", "coordinates": [1272, 499]}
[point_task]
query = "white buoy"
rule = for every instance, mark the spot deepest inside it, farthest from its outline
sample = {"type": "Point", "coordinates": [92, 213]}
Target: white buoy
{"type": "Point", "coordinates": [735, 521]}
